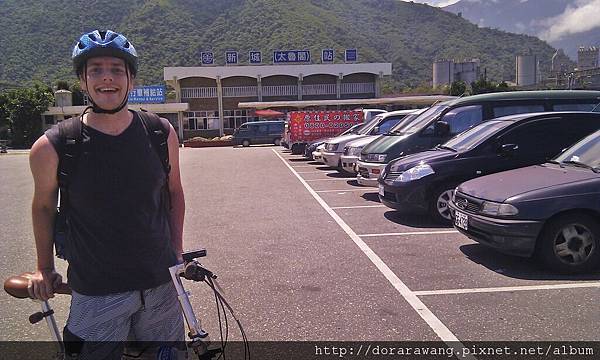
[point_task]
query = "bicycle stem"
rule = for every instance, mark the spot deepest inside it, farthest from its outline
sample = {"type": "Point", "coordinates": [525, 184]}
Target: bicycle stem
{"type": "Point", "coordinates": [194, 326]}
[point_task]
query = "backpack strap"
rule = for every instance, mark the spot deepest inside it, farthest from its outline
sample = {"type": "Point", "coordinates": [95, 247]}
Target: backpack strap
{"type": "Point", "coordinates": [71, 137]}
{"type": "Point", "coordinates": [158, 135]}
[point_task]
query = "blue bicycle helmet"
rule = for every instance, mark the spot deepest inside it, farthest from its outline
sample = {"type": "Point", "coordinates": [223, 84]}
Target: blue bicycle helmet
{"type": "Point", "coordinates": [104, 43]}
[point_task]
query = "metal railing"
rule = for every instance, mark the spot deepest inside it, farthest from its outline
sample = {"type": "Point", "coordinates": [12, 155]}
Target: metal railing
{"type": "Point", "coordinates": [199, 92]}
{"type": "Point", "coordinates": [240, 91]}
{"type": "Point", "coordinates": [319, 89]}
{"type": "Point", "coordinates": [280, 90]}
{"type": "Point", "coordinates": [357, 88]}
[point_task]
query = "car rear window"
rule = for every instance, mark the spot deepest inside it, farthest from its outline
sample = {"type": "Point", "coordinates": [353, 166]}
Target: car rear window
{"type": "Point", "coordinates": [573, 107]}
{"type": "Point", "coordinates": [517, 109]}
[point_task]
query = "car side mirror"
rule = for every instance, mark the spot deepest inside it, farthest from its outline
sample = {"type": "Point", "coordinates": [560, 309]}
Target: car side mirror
{"type": "Point", "coordinates": [441, 128]}
{"type": "Point", "coordinates": [507, 148]}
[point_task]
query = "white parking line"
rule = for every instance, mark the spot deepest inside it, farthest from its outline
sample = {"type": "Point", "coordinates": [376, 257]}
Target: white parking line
{"type": "Point", "coordinates": [358, 207]}
{"type": "Point", "coordinates": [301, 166]}
{"type": "Point", "coordinates": [329, 191]}
{"type": "Point", "coordinates": [412, 233]}
{"type": "Point", "coordinates": [509, 289]}
{"type": "Point", "coordinates": [316, 172]}
{"type": "Point", "coordinates": [340, 179]}
{"type": "Point", "coordinates": [413, 300]}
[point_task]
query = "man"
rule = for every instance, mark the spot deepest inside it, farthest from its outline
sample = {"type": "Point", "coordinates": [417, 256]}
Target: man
{"type": "Point", "coordinates": [122, 234]}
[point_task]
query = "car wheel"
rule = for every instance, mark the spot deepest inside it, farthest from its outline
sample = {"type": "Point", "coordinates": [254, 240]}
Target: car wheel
{"type": "Point", "coordinates": [438, 204]}
{"type": "Point", "coordinates": [277, 141]}
{"type": "Point", "coordinates": [570, 244]}
{"type": "Point", "coordinates": [246, 143]}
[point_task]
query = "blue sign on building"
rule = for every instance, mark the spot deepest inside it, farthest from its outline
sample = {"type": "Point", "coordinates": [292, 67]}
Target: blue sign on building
{"type": "Point", "coordinates": [351, 55]}
{"type": "Point", "coordinates": [291, 56]}
{"type": "Point", "coordinates": [255, 57]}
{"type": "Point", "coordinates": [207, 57]}
{"type": "Point", "coordinates": [327, 56]}
{"type": "Point", "coordinates": [231, 57]}
{"type": "Point", "coordinates": [155, 94]}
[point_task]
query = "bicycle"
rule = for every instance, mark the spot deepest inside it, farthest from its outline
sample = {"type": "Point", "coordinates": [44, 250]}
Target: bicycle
{"type": "Point", "coordinates": [190, 269]}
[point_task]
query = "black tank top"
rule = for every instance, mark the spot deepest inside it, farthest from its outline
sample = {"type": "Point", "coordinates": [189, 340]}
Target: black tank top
{"type": "Point", "coordinates": [118, 230]}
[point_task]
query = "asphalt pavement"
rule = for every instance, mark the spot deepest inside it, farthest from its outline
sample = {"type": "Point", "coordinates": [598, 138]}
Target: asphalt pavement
{"type": "Point", "coordinates": [305, 253]}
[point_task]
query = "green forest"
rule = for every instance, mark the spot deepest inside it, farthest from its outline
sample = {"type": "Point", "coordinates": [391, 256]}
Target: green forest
{"type": "Point", "coordinates": [37, 37]}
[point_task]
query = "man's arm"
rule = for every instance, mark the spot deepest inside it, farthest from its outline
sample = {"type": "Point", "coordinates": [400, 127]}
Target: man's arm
{"type": "Point", "coordinates": [43, 161]}
{"type": "Point", "coordinates": [177, 213]}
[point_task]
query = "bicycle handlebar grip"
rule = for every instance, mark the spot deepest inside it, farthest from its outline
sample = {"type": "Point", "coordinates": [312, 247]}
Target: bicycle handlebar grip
{"type": "Point", "coordinates": [16, 286]}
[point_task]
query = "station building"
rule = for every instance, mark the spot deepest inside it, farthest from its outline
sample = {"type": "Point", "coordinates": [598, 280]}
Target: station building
{"type": "Point", "coordinates": [213, 93]}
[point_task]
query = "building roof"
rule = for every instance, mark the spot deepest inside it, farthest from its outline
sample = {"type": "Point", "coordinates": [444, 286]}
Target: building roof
{"type": "Point", "coordinates": [402, 100]}
{"type": "Point", "coordinates": [263, 71]}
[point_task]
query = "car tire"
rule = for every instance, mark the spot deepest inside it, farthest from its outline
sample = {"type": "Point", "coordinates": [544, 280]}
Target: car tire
{"type": "Point", "coordinates": [277, 141]}
{"type": "Point", "coordinates": [570, 244]}
{"type": "Point", "coordinates": [438, 204]}
{"type": "Point", "coordinates": [246, 143]}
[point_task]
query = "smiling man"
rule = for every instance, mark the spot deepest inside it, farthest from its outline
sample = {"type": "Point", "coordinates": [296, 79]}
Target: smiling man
{"type": "Point", "coordinates": [125, 209]}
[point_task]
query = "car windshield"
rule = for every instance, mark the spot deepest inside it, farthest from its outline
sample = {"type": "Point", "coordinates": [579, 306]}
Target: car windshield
{"type": "Point", "coordinates": [423, 120]}
{"type": "Point", "coordinates": [370, 125]}
{"type": "Point", "coordinates": [586, 152]}
{"type": "Point", "coordinates": [476, 135]}
{"type": "Point", "coordinates": [352, 130]}
{"type": "Point", "coordinates": [405, 122]}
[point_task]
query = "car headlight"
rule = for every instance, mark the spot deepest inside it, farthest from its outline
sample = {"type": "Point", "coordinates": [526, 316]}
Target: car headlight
{"type": "Point", "coordinates": [331, 147]}
{"type": "Point", "coordinates": [354, 151]}
{"type": "Point", "coordinates": [498, 209]}
{"type": "Point", "coordinates": [415, 173]}
{"type": "Point", "coordinates": [378, 158]}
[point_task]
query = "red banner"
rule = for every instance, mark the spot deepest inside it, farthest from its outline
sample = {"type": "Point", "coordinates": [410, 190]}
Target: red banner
{"type": "Point", "coordinates": [312, 125]}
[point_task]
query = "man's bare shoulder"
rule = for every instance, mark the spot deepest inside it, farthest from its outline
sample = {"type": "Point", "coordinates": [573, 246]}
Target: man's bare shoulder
{"type": "Point", "coordinates": [43, 152]}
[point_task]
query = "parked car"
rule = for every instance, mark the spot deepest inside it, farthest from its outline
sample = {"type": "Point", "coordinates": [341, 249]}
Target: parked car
{"type": "Point", "coordinates": [353, 148]}
{"type": "Point", "coordinates": [259, 132]}
{"type": "Point", "coordinates": [310, 148]}
{"type": "Point", "coordinates": [423, 183]}
{"type": "Point", "coordinates": [443, 121]}
{"type": "Point", "coordinates": [551, 211]}
{"type": "Point", "coordinates": [317, 154]}
{"type": "Point", "coordinates": [381, 124]}
{"type": "Point", "coordinates": [369, 114]}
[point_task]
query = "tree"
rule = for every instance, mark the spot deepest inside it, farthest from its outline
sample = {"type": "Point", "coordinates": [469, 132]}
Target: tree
{"type": "Point", "coordinates": [458, 88]}
{"type": "Point", "coordinates": [77, 94]}
{"type": "Point", "coordinates": [503, 86]}
{"type": "Point", "coordinates": [24, 108]}
{"type": "Point", "coordinates": [62, 85]}
{"type": "Point", "coordinates": [483, 86]}
{"type": "Point", "coordinates": [3, 116]}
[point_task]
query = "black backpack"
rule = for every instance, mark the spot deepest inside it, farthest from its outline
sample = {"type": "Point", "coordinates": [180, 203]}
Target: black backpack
{"type": "Point", "coordinates": [72, 138]}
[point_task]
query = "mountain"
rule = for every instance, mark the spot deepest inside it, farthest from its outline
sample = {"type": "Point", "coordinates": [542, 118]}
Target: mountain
{"type": "Point", "coordinates": [37, 41]}
{"type": "Point", "coordinates": [565, 24]}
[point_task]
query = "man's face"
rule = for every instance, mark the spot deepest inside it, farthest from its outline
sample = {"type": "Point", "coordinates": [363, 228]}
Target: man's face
{"type": "Point", "coordinates": [106, 81]}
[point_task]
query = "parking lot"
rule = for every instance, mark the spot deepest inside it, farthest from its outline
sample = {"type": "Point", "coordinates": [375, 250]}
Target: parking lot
{"type": "Point", "coordinates": [305, 253]}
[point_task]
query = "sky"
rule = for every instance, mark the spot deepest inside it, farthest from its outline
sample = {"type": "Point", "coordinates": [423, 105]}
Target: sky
{"type": "Point", "coordinates": [579, 17]}
{"type": "Point", "coordinates": [582, 16]}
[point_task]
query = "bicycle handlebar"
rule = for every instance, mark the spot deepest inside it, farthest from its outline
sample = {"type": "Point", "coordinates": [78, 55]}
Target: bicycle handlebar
{"type": "Point", "coordinates": [17, 285]}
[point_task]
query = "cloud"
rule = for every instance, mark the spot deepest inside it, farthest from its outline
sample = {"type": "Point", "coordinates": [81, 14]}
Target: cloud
{"type": "Point", "coordinates": [438, 3]}
{"type": "Point", "coordinates": [580, 17]}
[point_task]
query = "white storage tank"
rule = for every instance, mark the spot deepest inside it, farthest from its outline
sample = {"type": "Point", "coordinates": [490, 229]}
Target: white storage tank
{"type": "Point", "coordinates": [443, 72]}
{"type": "Point", "coordinates": [63, 98]}
{"type": "Point", "coordinates": [526, 70]}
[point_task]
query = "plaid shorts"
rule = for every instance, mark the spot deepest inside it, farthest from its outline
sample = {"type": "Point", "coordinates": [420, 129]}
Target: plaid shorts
{"type": "Point", "coordinates": [103, 324]}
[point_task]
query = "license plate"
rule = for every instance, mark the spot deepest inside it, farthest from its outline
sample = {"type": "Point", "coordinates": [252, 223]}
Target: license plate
{"type": "Point", "coordinates": [461, 220]}
{"type": "Point", "coordinates": [381, 191]}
